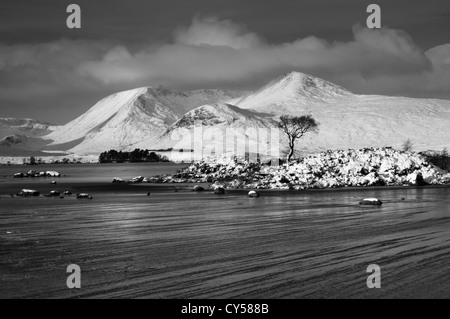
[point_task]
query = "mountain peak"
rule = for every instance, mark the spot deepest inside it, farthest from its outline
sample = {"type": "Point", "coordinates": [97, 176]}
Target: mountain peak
{"type": "Point", "coordinates": [297, 83]}
{"type": "Point", "coordinates": [125, 118]}
{"type": "Point", "coordinates": [292, 92]}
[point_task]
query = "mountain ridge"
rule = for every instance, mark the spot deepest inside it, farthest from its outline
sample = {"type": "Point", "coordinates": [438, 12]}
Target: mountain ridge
{"type": "Point", "coordinates": [146, 116]}
{"type": "Point", "coordinates": [128, 117]}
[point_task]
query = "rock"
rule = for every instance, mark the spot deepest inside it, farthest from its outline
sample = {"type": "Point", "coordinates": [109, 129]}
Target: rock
{"type": "Point", "coordinates": [52, 174]}
{"type": "Point", "coordinates": [54, 193]}
{"type": "Point", "coordinates": [219, 190]}
{"type": "Point", "coordinates": [137, 179]}
{"type": "Point", "coordinates": [117, 180]}
{"type": "Point", "coordinates": [28, 192]}
{"type": "Point", "coordinates": [67, 193]}
{"type": "Point", "coordinates": [18, 175]}
{"type": "Point", "coordinates": [54, 182]}
{"type": "Point", "coordinates": [84, 196]}
{"type": "Point", "coordinates": [446, 178]}
{"type": "Point", "coordinates": [198, 189]}
{"type": "Point", "coordinates": [253, 194]}
{"type": "Point", "coordinates": [371, 201]}
{"type": "Point", "coordinates": [420, 181]}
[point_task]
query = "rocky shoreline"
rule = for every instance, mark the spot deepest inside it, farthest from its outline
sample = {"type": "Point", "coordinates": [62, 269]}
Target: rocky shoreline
{"type": "Point", "coordinates": [329, 169]}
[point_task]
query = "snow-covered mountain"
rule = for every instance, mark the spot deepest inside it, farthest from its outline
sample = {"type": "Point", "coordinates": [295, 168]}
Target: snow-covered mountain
{"type": "Point", "coordinates": [22, 145]}
{"type": "Point", "coordinates": [290, 93]}
{"type": "Point", "coordinates": [215, 121]}
{"type": "Point", "coordinates": [23, 137]}
{"type": "Point", "coordinates": [346, 120]}
{"type": "Point", "coordinates": [121, 120]}
{"type": "Point", "coordinates": [221, 115]}
{"type": "Point", "coordinates": [353, 121]}
{"type": "Point", "coordinates": [28, 127]}
{"type": "Point", "coordinates": [159, 118]}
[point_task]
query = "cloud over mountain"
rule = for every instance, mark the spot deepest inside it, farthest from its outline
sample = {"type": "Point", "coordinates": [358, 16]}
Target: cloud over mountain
{"type": "Point", "coordinates": [210, 52]}
{"type": "Point", "coordinates": [212, 31]}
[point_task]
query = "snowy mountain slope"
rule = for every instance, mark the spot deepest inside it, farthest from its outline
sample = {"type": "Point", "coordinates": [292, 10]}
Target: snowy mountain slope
{"type": "Point", "coordinates": [214, 118]}
{"type": "Point", "coordinates": [221, 114]}
{"type": "Point", "coordinates": [210, 127]}
{"type": "Point", "coordinates": [291, 91]}
{"type": "Point", "coordinates": [27, 127]}
{"type": "Point", "coordinates": [125, 118]}
{"type": "Point", "coordinates": [353, 121]}
{"type": "Point", "coordinates": [22, 145]}
{"type": "Point", "coordinates": [22, 137]}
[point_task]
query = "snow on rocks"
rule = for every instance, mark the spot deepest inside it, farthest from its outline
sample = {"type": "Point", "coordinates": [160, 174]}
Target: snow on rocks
{"type": "Point", "coordinates": [28, 192]}
{"type": "Point", "coordinates": [339, 168]}
{"type": "Point", "coordinates": [371, 201]}
{"type": "Point", "coordinates": [198, 188]}
{"type": "Point", "coordinates": [84, 196]}
{"type": "Point", "coordinates": [52, 174]}
{"type": "Point", "coordinates": [33, 173]}
{"type": "Point", "coordinates": [137, 179]}
{"type": "Point", "coordinates": [54, 194]}
{"type": "Point", "coordinates": [253, 194]}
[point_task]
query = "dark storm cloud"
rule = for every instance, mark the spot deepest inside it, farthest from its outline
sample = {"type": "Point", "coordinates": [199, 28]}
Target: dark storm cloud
{"type": "Point", "coordinates": [130, 44]}
{"type": "Point", "coordinates": [136, 21]}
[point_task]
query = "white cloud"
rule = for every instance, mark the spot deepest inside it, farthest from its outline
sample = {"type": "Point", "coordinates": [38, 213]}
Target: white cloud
{"type": "Point", "coordinates": [222, 52]}
{"type": "Point", "coordinates": [211, 31]}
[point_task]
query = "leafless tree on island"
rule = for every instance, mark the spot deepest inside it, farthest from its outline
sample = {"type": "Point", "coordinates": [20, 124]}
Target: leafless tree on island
{"type": "Point", "coordinates": [295, 128]}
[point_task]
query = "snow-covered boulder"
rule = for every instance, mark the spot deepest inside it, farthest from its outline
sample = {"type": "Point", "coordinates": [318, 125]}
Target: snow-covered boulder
{"type": "Point", "coordinates": [371, 201]}
{"type": "Point", "coordinates": [253, 194]}
{"type": "Point", "coordinates": [84, 196]}
{"type": "Point", "coordinates": [52, 174]}
{"type": "Point", "coordinates": [219, 190]}
{"type": "Point", "coordinates": [29, 192]}
{"type": "Point", "coordinates": [198, 188]}
{"type": "Point", "coordinates": [137, 179]}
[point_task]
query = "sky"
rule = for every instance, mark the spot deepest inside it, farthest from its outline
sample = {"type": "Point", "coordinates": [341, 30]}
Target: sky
{"type": "Point", "coordinates": [54, 74]}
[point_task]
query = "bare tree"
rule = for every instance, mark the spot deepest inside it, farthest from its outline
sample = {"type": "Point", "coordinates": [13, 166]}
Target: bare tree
{"type": "Point", "coordinates": [296, 127]}
{"type": "Point", "coordinates": [407, 145]}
